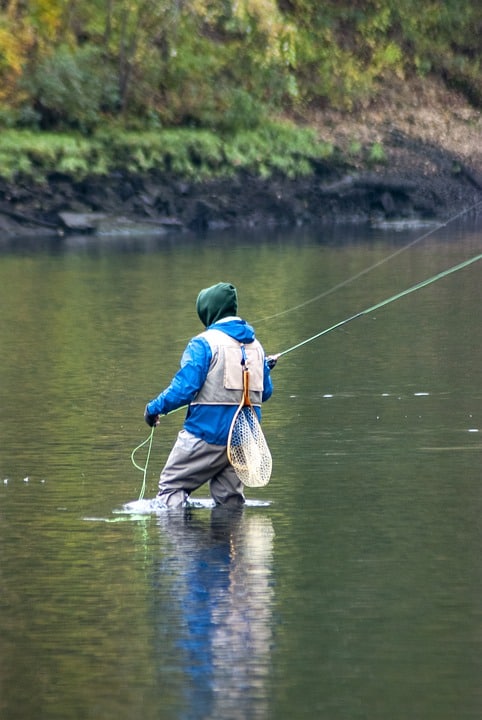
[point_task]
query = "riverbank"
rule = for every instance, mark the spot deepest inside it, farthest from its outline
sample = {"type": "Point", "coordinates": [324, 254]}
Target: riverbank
{"type": "Point", "coordinates": [415, 156]}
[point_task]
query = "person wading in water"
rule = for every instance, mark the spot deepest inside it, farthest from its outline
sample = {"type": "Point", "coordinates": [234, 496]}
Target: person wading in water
{"type": "Point", "coordinates": [210, 383]}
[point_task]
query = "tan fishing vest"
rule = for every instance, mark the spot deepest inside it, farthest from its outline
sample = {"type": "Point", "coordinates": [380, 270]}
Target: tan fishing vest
{"type": "Point", "coordinates": [224, 381]}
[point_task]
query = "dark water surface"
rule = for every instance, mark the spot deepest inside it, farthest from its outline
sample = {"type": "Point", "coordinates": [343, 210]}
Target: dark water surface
{"type": "Point", "coordinates": [350, 589]}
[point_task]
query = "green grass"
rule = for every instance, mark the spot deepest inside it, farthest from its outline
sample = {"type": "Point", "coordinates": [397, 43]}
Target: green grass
{"type": "Point", "coordinates": [195, 155]}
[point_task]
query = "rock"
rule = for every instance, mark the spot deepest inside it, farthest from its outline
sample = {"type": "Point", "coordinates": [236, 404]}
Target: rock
{"type": "Point", "coordinates": [81, 222]}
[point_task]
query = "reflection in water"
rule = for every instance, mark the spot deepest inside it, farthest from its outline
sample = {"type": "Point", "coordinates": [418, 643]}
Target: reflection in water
{"type": "Point", "coordinates": [220, 575]}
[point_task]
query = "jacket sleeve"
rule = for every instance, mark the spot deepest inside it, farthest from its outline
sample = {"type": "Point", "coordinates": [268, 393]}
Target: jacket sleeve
{"type": "Point", "coordinates": [267, 382]}
{"type": "Point", "coordinates": [188, 380]}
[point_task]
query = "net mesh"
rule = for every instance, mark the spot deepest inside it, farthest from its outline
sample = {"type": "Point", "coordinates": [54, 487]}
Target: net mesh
{"type": "Point", "coordinates": [248, 451]}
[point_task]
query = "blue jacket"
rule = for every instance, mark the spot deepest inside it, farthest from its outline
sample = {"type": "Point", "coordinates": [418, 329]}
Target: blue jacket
{"type": "Point", "coordinates": [209, 422]}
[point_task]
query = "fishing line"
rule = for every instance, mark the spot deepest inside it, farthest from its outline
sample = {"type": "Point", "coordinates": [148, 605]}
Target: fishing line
{"type": "Point", "coordinates": [413, 288]}
{"type": "Point", "coordinates": [148, 440]}
{"type": "Point", "coordinates": [370, 268]}
{"type": "Point", "coordinates": [418, 286]}
{"type": "Point", "coordinates": [143, 469]}
{"type": "Point", "coordinates": [367, 311]}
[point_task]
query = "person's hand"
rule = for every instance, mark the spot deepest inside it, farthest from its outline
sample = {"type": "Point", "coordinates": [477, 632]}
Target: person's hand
{"type": "Point", "coordinates": [152, 419]}
{"type": "Point", "coordinates": [272, 360]}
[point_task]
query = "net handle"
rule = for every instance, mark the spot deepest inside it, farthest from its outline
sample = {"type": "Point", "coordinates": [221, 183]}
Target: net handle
{"type": "Point", "coordinates": [244, 363]}
{"type": "Point", "coordinates": [246, 400]}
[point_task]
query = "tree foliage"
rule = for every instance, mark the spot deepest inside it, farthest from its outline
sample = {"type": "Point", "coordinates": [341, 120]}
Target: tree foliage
{"type": "Point", "coordinates": [221, 64]}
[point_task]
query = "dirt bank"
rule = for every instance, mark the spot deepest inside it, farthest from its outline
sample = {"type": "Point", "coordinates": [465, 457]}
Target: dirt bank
{"type": "Point", "coordinates": [429, 166]}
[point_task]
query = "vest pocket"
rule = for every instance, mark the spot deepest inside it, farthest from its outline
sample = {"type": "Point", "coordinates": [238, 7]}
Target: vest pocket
{"type": "Point", "coordinates": [233, 370]}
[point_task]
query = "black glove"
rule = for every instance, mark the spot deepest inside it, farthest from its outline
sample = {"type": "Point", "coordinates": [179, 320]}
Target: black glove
{"type": "Point", "coordinates": [151, 418]}
{"type": "Point", "coordinates": [272, 360]}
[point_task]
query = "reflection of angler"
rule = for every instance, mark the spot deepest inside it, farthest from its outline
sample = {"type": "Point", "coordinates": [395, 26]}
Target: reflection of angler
{"type": "Point", "coordinates": [223, 589]}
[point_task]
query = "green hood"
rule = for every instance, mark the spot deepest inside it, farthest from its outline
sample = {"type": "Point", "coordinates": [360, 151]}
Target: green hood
{"type": "Point", "coordinates": [216, 302]}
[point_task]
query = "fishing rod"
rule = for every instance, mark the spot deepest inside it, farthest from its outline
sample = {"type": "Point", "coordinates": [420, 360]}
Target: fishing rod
{"type": "Point", "coordinates": [367, 311]}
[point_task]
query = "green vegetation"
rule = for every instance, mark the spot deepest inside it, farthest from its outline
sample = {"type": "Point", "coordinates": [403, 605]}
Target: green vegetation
{"type": "Point", "coordinates": [184, 152]}
{"type": "Point", "coordinates": [130, 81]}
{"type": "Point", "coordinates": [220, 65]}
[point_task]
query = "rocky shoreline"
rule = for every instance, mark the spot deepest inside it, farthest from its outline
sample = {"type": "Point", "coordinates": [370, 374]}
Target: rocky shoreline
{"type": "Point", "coordinates": [417, 180]}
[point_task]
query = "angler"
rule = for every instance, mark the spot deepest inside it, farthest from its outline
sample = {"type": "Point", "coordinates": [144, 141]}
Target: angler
{"type": "Point", "coordinates": [210, 383]}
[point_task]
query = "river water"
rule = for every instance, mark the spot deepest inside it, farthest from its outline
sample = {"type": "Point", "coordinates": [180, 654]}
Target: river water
{"type": "Point", "coordinates": [349, 588]}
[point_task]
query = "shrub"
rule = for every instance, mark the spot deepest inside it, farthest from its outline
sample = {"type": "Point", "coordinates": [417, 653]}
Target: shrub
{"type": "Point", "coordinates": [71, 88]}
